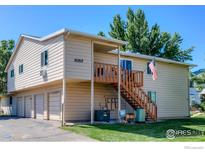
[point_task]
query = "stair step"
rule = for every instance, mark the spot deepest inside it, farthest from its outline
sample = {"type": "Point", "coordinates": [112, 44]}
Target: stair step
{"type": "Point", "coordinates": [134, 100]}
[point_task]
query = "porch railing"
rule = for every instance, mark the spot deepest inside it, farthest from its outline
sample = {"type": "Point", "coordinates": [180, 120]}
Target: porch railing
{"type": "Point", "coordinates": [108, 73]}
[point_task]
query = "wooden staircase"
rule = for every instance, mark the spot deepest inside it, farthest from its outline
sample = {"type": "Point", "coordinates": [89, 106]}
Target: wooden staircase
{"type": "Point", "coordinates": [130, 87]}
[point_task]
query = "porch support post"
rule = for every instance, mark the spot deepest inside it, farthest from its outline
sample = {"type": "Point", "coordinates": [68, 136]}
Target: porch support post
{"type": "Point", "coordinates": [119, 80]}
{"type": "Point", "coordinates": [92, 84]}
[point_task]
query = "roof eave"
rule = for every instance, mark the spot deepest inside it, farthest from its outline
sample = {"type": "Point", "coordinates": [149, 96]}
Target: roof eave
{"type": "Point", "coordinates": [119, 42]}
{"type": "Point", "coordinates": [156, 58]}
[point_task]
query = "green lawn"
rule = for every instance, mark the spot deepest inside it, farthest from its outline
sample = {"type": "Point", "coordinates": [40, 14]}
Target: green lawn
{"type": "Point", "coordinates": [143, 132]}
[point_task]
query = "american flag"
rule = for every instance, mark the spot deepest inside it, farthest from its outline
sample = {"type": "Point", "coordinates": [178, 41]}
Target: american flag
{"type": "Point", "coordinates": [153, 70]}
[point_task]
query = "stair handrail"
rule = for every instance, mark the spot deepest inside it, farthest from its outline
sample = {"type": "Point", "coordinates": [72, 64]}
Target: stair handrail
{"type": "Point", "coordinates": [144, 101]}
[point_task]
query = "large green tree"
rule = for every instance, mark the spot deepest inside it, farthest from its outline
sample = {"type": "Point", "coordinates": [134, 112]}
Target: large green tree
{"type": "Point", "coordinates": [145, 40]}
{"type": "Point", "coordinates": [118, 28]}
{"type": "Point", "coordinates": [6, 48]}
{"type": "Point", "coordinates": [137, 31]}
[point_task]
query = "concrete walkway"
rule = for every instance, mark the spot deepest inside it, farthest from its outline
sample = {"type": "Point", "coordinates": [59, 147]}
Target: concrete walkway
{"type": "Point", "coordinates": [25, 129]}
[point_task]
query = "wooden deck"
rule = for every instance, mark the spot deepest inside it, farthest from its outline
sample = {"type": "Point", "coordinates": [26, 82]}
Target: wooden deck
{"type": "Point", "coordinates": [108, 73]}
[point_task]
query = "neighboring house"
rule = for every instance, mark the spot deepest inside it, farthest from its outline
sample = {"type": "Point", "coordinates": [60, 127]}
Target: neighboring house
{"type": "Point", "coordinates": [194, 96]}
{"type": "Point", "coordinates": [68, 74]}
{"type": "Point", "coordinates": [202, 95]}
{"type": "Point", "coordinates": [199, 73]}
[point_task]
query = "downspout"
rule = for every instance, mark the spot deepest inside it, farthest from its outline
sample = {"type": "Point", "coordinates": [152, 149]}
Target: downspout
{"type": "Point", "coordinates": [92, 84]}
{"type": "Point", "coordinates": [119, 82]}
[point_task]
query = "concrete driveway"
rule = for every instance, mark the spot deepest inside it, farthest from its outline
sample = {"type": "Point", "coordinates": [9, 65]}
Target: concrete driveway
{"type": "Point", "coordinates": [25, 129]}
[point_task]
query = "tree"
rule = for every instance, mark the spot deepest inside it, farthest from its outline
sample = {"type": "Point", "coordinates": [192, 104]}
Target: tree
{"type": "Point", "coordinates": [6, 48]}
{"type": "Point", "coordinates": [101, 33]}
{"type": "Point", "coordinates": [172, 49]}
{"type": "Point", "coordinates": [141, 39]}
{"type": "Point", "coordinates": [155, 41]}
{"type": "Point", "coordinates": [137, 31]}
{"type": "Point", "coordinates": [117, 29]}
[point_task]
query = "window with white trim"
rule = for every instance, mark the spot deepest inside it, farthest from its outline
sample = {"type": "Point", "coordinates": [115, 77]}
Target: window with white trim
{"type": "Point", "coordinates": [12, 73]}
{"type": "Point", "coordinates": [21, 69]}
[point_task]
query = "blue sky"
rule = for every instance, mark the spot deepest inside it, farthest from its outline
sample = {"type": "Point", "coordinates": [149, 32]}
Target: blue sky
{"type": "Point", "coordinates": [41, 20]}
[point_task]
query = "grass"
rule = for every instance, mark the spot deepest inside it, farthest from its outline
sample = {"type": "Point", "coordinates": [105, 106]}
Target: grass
{"type": "Point", "coordinates": [143, 132]}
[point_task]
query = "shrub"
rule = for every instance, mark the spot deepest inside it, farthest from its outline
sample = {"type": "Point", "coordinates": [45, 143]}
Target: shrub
{"type": "Point", "coordinates": [199, 107]}
{"type": "Point", "coordinates": [202, 106]}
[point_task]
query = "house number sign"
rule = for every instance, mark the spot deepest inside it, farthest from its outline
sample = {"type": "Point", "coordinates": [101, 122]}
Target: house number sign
{"type": "Point", "coordinates": [78, 60]}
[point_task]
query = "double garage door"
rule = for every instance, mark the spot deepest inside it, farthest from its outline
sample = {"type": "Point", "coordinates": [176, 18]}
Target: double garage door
{"type": "Point", "coordinates": [24, 108]}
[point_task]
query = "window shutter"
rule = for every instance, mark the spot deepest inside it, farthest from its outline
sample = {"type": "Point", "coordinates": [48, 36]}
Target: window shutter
{"type": "Point", "coordinates": [22, 68]}
{"type": "Point", "coordinates": [154, 97]}
{"type": "Point", "coordinates": [148, 69]}
{"type": "Point", "coordinates": [46, 58]}
{"type": "Point", "coordinates": [42, 59]}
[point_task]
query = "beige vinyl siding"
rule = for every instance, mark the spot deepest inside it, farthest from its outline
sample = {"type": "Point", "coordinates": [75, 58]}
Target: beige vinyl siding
{"type": "Point", "coordinates": [29, 54]}
{"type": "Point", "coordinates": [78, 49]}
{"type": "Point", "coordinates": [171, 86]}
{"type": "Point", "coordinates": [105, 58]}
{"type": "Point", "coordinates": [77, 106]}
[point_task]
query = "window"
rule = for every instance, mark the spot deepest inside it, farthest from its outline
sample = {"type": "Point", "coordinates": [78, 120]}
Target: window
{"type": "Point", "coordinates": [21, 69]}
{"type": "Point", "coordinates": [152, 95]}
{"type": "Point", "coordinates": [44, 58]}
{"type": "Point", "coordinates": [12, 73]}
{"type": "Point", "coordinates": [126, 64]}
{"type": "Point", "coordinates": [10, 100]}
{"type": "Point", "coordinates": [148, 69]}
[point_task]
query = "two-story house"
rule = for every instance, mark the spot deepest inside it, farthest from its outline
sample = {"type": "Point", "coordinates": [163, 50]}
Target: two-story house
{"type": "Point", "coordinates": [67, 75]}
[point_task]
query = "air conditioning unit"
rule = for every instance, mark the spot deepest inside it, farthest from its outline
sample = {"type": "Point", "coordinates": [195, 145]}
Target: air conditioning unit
{"type": "Point", "coordinates": [43, 73]}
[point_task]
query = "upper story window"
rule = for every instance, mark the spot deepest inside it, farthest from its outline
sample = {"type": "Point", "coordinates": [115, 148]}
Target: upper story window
{"type": "Point", "coordinates": [44, 58]}
{"type": "Point", "coordinates": [12, 73]}
{"type": "Point", "coordinates": [148, 69]}
{"type": "Point", "coordinates": [21, 69]}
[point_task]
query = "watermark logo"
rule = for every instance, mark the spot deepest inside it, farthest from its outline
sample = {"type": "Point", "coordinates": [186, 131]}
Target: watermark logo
{"type": "Point", "coordinates": [170, 134]}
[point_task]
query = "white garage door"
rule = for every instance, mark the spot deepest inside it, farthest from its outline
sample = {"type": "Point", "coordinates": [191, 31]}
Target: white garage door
{"type": "Point", "coordinates": [20, 107]}
{"type": "Point", "coordinates": [39, 101]}
{"type": "Point", "coordinates": [28, 106]}
{"type": "Point", "coordinates": [54, 100]}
